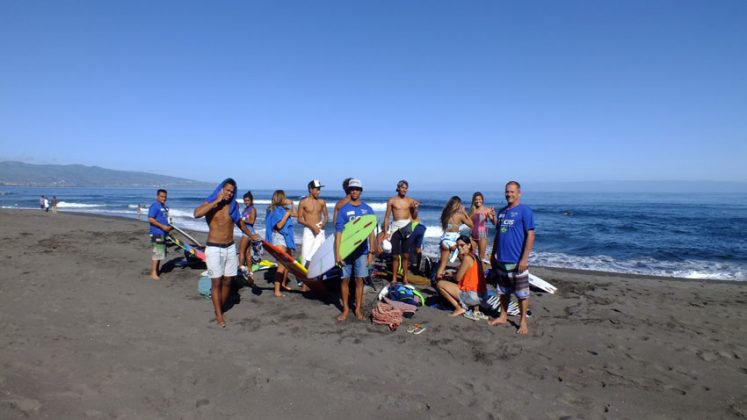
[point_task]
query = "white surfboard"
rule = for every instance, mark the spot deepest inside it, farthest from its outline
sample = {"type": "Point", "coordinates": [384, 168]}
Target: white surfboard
{"type": "Point", "coordinates": [323, 259]}
{"type": "Point", "coordinates": [541, 284]}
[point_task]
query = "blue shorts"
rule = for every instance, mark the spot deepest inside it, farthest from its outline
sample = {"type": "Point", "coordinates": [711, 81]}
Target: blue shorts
{"type": "Point", "coordinates": [359, 265]}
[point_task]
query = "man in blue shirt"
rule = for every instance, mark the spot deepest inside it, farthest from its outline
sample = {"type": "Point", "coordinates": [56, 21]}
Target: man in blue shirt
{"type": "Point", "coordinates": [514, 238]}
{"type": "Point", "coordinates": [359, 261]}
{"type": "Point", "coordinates": [158, 217]}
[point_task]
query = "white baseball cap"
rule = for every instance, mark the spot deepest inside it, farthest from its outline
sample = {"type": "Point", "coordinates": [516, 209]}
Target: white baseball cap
{"type": "Point", "coordinates": [355, 183]}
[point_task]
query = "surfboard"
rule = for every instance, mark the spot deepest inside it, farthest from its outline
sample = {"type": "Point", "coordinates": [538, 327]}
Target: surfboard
{"type": "Point", "coordinates": [354, 233]}
{"type": "Point", "coordinates": [286, 261]}
{"type": "Point", "coordinates": [186, 235]}
{"type": "Point", "coordinates": [192, 250]}
{"type": "Point", "coordinates": [541, 284]}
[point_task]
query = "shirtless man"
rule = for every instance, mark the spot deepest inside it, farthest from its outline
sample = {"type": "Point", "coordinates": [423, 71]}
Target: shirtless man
{"type": "Point", "coordinates": [399, 207]}
{"type": "Point", "coordinates": [222, 213]}
{"type": "Point", "coordinates": [312, 214]}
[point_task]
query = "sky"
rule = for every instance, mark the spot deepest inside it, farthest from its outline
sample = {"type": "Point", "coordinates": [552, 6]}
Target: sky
{"type": "Point", "coordinates": [444, 94]}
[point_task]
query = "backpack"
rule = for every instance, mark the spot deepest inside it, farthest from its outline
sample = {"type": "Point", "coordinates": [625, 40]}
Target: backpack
{"type": "Point", "coordinates": [406, 294]}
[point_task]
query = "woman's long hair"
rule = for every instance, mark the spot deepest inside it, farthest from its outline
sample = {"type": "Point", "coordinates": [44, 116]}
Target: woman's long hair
{"type": "Point", "coordinates": [450, 208]}
{"type": "Point", "coordinates": [473, 208]}
{"type": "Point", "coordinates": [278, 197]}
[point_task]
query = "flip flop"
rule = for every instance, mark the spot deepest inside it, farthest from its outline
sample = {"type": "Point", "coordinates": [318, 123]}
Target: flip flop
{"type": "Point", "coordinates": [419, 330]}
{"type": "Point", "coordinates": [412, 328]}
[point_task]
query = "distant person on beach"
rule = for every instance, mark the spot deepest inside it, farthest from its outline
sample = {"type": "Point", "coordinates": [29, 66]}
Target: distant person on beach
{"type": "Point", "coordinates": [41, 202]}
{"type": "Point", "coordinates": [313, 215]}
{"type": "Point", "coordinates": [398, 207]}
{"type": "Point", "coordinates": [452, 217]}
{"type": "Point", "coordinates": [54, 204]}
{"type": "Point", "coordinates": [356, 264]}
{"type": "Point", "coordinates": [46, 204]}
{"type": "Point", "coordinates": [514, 239]}
{"type": "Point", "coordinates": [222, 213]}
{"type": "Point", "coordinates": [158, 217]}
{"type": "Point", "coordinates": [250, 247]}
{"type": "Point", "coordinates": [470, 290]}
{"type": "Point", "coordinates": [139, 211]}
{"type": "Point", "coordinates": [480, 216]}
{"type": "Point", "coordinates": [342, 201]}
{"type": "Point", "coordinates": [279, 232]}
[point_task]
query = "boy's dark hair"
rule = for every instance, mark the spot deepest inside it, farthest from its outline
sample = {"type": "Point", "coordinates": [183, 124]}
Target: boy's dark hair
{"type": "Point", "coordinates": [231, 182]}
{"type": "Point", "coordinates": [161, 190]}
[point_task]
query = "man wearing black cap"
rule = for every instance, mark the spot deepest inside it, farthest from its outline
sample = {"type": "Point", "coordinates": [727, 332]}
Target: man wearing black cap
{"type": "Point", "coordinates": [312, 214]}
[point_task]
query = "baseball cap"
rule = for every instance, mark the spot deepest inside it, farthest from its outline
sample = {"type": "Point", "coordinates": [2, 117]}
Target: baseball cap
{"type": "Point", "coordinates": [315, 183]}
{"type": "Point", "coordinates": [355, 183]}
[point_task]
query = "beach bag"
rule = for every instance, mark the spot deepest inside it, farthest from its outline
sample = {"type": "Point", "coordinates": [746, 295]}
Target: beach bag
{"type": "Point", "coordinates": [406, 294]}
{"type": "Point", "coordinates": [204, 285]}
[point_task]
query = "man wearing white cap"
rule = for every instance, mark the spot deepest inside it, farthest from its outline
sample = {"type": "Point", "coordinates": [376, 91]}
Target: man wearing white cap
{"type": "Point", "coordinates": [312, 214]}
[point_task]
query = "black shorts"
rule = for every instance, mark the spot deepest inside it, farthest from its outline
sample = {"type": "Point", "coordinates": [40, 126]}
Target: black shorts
{"type": "Point", "coordinates": [399, 244]}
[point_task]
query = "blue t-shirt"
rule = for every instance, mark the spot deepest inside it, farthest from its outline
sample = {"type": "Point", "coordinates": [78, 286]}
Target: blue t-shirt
{"type": "Point", "coordinates": [350, 212]}
{"type": "Point", "coordinates": [159, 212]}
{"type": "Point", "coordinates": [511, 233]}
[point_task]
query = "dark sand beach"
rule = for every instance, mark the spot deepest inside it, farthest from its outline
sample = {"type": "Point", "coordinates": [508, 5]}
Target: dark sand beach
{"type": "Point", "coordinates": [85, 333]}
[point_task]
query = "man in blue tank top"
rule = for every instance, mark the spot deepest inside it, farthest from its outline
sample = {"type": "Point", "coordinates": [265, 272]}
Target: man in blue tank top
{"type": "Point", "coordinates": [158, 217]}
{"type": "Point", "coordinates": [514, 239]}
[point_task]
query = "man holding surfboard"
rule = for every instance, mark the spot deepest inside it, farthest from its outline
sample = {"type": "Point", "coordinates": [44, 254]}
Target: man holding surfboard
{"type": "Point", "coordinates": [399, 207]}
{"type": "Point", "coordinates": [357, 263]}
{"type": "Point", "coordinates": [514, 239]}
{"type": "Point", "coordinates": [221, 212]}
{"type": "Point", "coordinates": [158, 218]}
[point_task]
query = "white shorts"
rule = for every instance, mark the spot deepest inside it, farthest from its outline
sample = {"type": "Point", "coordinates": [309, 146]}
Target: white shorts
{"type": "Point", "coordinates": [221, 261]}
{"type": "Point", "coordinates": [310, 243]}
{"type": "Point", "coordinates": [397, 225]}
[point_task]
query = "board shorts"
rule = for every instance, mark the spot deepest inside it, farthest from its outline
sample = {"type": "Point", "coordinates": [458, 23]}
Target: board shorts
{"type": "Point", "coordinates": [221, 260]}
{"type": "Point", "coordinates": [257, 251]}
{"type": "Point", "coordinates": [398, 240]}
{"type": "Point", "coordinates": [311, 243]}
{"type": "Point", "coordinates": [449, 239]}
{"type": "Point", "coordinates": [158, 243]}
{"type": "Point", "coordinates": [510, 281]}
{"type": "Point", "coordinates": [355, 265]}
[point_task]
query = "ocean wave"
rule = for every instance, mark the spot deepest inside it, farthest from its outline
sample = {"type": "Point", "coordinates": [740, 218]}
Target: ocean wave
{"type": "Point", "coordinates": [66, 205]}
{"type": "Point", "coordinates": [689, 268]}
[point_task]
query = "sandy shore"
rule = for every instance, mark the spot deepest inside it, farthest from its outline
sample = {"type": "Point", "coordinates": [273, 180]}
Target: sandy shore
{"type": "Point", "coordinates": [86, 334]}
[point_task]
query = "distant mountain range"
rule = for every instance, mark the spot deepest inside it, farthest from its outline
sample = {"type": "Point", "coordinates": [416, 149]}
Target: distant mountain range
{"type": "Point", "coordinates": [28, 175]}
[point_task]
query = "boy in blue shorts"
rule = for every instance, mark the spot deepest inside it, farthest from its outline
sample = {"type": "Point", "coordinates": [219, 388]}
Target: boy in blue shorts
{"type": "Point", "coordinates": [158, 217]}
{"type": "Point", "coordinates": [514, 239]}
{"type": "Point", "coordinates": [358, 262]}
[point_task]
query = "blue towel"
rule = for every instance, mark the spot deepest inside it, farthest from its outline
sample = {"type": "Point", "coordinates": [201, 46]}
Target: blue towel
{"type": "Point", "coordinates": [233, 209]}
{"type": "Point", "coordinates": [272, 219]}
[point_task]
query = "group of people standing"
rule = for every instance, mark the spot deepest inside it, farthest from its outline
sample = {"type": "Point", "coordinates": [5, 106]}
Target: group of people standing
{"type": "Point", "coordinates": [465, 238]}
{"type": "Point", "coordinates": [45, 203]}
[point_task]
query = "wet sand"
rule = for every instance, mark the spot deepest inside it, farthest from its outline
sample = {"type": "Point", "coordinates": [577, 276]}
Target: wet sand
{"type": "Point", "coordinates": [85, 333]}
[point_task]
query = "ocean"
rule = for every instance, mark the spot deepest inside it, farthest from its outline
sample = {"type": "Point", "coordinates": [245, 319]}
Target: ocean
{"type": "Point", "coordinates": [698, 235]}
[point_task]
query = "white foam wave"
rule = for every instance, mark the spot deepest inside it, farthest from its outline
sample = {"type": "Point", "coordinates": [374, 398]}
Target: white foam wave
{"type": "Point", "coordinates": [691, 269]}
{"type": "Point", "coordinates": [66, 205]}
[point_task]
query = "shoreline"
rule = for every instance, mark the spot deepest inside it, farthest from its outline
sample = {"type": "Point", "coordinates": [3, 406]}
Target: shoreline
{"type": "Point", "coordinates": [597, 273]}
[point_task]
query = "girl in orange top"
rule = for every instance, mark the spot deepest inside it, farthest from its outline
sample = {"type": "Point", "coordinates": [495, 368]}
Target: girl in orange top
{"type": "Point", "coordinates": [471, 289]}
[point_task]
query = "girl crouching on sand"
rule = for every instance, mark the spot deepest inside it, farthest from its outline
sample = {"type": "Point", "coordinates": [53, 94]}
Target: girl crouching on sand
{"type": "Point", "coordinates": [470, 290]}
{"type": "Point", "coordinates": [452, 217]}
{"type": "Point", "coordinates": [479, 214]}
{"type": "Point", "coordinates": [279, 232]}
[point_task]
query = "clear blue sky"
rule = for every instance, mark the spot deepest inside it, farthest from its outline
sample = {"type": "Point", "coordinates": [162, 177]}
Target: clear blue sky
{"type": "Point", "coordinates": [441, 93]}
